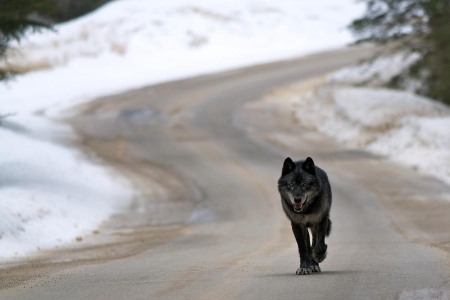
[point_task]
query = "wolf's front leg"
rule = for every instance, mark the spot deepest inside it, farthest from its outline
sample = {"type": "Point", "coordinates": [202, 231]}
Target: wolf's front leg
{"type": "Point", "coordinates": [307, 263]}
{"type": "Point", "coordinates": [319, 251]}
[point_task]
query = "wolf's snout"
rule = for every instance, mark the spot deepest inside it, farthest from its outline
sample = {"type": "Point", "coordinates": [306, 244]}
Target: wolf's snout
{"type": "Point", "coordinates": [297, 199]}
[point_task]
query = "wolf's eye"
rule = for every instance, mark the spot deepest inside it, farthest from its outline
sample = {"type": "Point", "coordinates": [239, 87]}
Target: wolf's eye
{"type": "Point", "coordinates": [291, 185]}
{"type": "Point", "coordinates": [304, 184]}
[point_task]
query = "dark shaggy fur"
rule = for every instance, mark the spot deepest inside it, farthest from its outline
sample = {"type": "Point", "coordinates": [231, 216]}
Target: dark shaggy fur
{"type": "Point", "coordinates": [306, 198]}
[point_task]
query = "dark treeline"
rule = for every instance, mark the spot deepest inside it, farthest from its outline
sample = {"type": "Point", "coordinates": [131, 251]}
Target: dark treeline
{"type": "Point", "coordinates": [70, 9]}
{"type": "Point", "coordinates": [421, 26]}
{"type": "Point", "coordinates": [18, 17]}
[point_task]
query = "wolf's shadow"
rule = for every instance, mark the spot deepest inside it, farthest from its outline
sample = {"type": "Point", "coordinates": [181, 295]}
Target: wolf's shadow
{"type": "Point", "coordinates": [323, 273]}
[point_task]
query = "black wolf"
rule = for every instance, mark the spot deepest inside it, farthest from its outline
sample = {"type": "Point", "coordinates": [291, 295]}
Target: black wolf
{"type": "Point", "coordinates": [306, 198]}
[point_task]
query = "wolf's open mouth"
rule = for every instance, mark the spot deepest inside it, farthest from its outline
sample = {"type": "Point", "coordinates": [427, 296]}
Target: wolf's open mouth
{"type": "Point", "coordinates": [298, 207]}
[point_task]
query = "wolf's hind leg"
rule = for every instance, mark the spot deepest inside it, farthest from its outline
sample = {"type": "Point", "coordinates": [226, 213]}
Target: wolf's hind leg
{"type": "Point", "coordinates": [315, 266]}
{"type": "Point", "coordinates": [319, 251]}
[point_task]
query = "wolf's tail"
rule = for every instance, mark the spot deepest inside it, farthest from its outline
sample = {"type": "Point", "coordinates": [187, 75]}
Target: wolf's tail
{"type": "Point", "coordinates": [329, 227]}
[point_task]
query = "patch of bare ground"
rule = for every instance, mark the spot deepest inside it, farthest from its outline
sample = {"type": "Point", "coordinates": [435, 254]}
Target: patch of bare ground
{"type": "Point", "coordinates": [94, 250]}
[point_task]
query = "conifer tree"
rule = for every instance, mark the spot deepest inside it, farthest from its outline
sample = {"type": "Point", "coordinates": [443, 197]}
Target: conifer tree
{"type": "Point", "coordinates": [421, 26]}
{"type": "Point", "coordinates": [17, 17]}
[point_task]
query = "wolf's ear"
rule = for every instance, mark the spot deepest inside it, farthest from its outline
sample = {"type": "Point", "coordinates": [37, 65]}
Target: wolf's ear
{"type": "Point", "coordinates": [288, 166]}
{"type": "Point", "coordinates": [308, 166]}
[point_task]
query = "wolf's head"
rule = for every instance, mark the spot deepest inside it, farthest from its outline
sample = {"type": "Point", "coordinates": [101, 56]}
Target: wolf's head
{"type": "Point", "coordinates": [298, 183]}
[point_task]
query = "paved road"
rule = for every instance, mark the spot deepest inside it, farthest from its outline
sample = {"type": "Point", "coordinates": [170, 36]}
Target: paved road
{"type": "Point", "coordinates": [212, 186]}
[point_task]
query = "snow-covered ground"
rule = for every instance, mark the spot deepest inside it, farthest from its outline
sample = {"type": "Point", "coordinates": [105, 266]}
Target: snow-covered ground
{"type": "Point", "coordinates": [50, 194]}
{"type": "Point", "coordinates": [405, 127]}
{"type": "Point", "coordinates": [379, 72]}
{"type": "Point", "coordinates": [131, 43]}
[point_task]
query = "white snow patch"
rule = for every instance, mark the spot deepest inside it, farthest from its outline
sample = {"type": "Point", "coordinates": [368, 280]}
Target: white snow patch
{"type": "Point", "coordinates": [50, 194]}
{"type": "Point", "coordinates": [380, 70]}
{"type": "Point", "coordinates": [170, 34]}
{"type": "Point", "coordinates": [407, 128]}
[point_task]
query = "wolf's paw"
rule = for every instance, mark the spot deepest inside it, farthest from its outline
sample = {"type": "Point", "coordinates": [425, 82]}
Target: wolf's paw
{"type": "Point", "coordinates": [316, 269]}
{"type": "Point", "coordinates": [303, 271]}
{"type": "Point", "coordinates": [320, 253]}
{"type": "Point", "coordinates": [319, 257]}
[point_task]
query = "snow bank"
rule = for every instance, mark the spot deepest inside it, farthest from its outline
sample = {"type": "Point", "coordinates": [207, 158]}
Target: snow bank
{"type": "Point", "coordinates": [407, 128]}
{"type": "Point", "coordinates": [50, 194]}
{"type": "Point", "coordinates": [178, 34]}
{"type": "Point", "coordinates": [377, 72]}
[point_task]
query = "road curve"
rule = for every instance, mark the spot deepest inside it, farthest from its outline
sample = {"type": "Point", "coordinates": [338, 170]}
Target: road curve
{"type": "Point", "coordinates": [215, 183]}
